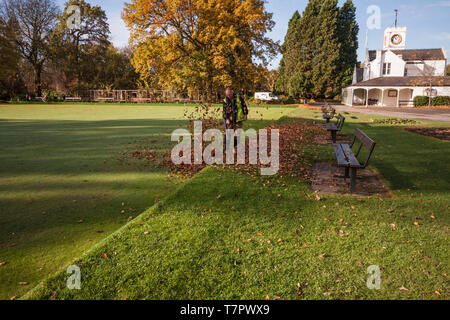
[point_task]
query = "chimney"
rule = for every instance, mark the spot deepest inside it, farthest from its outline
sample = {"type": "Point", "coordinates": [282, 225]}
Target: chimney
{"type": "Point", "coordinates": [378, 54]}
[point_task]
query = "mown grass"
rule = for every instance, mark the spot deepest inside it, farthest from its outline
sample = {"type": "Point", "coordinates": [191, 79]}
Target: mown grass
{"type": "Point", "coordinates": [224, 235]}
{"type": "Point", "coordinates": [61, 186]}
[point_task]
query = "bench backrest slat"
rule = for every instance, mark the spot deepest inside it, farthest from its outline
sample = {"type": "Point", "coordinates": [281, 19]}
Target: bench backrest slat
{"type": "Point", "coordinates": [366, 142]}
{"type": "Point", "coordinates": [364, 139]}
{"type": "Point", "coordinates": [340, 122]}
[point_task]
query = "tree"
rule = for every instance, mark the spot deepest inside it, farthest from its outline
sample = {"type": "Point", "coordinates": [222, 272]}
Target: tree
{"type": "Point", "coordinates": [80, 51]}
{"type": "Point", "coordinates": [291, 52]}
{"type": "Point", "coordinates": [325, 74]}
{"type": "Point", "coordinates": [299, 86]}
{"type": "Point", "coordinates": [348, 38]}
{"type": "Point", "coordinates": [9, 61]}
{"type": "Point", "coordinates": [116, 71]}
{"type": "Point", "coordinates": [199, 44]}
{"type": "Point", "coordinates": [31, 21]}
{"type": "Point", "coordinates": [319, 52]}
{"type": "Point", "coordinates": [448, 70]}
{"type": "Point", "coordinates": [309, 31]}
{"type": "Point", "coordinates": [265, 80]}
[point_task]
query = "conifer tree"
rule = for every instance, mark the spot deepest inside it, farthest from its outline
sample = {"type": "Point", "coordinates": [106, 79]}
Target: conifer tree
{"type": "Point", "coordinates": [319, 52]}
{"type": "Point", "coordinates": [309, 30]}
{"type": "Point", "coordinates": [325, 63]}
{"type": "Point", "coordinates": [291, 54]}
{"type": "Point", "coordinates": [348, 37]}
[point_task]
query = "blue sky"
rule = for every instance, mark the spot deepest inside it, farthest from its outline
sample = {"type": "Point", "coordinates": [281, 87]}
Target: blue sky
{"type": "Point", "coordinates": [428, 21]}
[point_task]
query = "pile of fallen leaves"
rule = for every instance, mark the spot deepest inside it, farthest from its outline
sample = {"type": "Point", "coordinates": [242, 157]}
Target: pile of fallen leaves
{"type": "Point", "coordinates": [438, 133]}
{"type": "Point", "coordinates": [298, 152]}
{"type": "Point", "coordinates": [138, 155]}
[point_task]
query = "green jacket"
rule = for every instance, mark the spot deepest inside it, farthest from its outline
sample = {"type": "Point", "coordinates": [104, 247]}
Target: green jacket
{"type": "Point", "coordinates": [234, 109]}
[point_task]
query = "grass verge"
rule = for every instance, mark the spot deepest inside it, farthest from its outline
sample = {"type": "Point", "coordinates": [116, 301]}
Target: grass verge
{"type": "Point", "coordinates": [230, 236]}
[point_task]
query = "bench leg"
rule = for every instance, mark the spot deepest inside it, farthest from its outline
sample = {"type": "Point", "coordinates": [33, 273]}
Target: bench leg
{"type": "Point", "coordinates": [353, 180]}
{"type": "Point", "coordinates": [347, 173]}
{"type": "Point", "coordinates": [333, 136]}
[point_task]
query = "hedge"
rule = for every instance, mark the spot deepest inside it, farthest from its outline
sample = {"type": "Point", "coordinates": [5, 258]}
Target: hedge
{"type": "Point", "coordinates": [422, 101]}
{"type": "Point", "coordinates": [441, 101]}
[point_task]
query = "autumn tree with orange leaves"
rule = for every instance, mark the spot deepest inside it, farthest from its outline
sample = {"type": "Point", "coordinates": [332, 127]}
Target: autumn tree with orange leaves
{"type": "Point", "coordinates": [199, 44]}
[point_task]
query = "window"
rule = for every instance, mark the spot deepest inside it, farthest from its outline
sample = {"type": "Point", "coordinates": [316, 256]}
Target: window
{"type": "Point", "coordinates": [386, 68]}
{"type": "Point", "coordinates": [392, 93]}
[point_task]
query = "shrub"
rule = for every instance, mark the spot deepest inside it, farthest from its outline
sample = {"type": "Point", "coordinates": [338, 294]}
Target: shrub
{"type": "Point", "coordinates": [420, 101]}
{"type": "Point", "coordinates": [289, 100]}
{"type": "Point", "coordinates": [441, 101]}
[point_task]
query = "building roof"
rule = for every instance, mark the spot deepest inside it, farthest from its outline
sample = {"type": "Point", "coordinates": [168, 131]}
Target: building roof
{"type": "Point", "coordinates": [414, 54]}
{"type": "Point", "coordinates": [404, 82]}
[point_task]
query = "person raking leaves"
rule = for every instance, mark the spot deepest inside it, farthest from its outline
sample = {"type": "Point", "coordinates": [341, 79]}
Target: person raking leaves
{"type": "Point", "coordinates": [235, 112]}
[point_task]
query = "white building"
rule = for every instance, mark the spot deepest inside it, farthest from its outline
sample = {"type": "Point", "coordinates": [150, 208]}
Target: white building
{"type": "Point", "coordinates": [395, 75]}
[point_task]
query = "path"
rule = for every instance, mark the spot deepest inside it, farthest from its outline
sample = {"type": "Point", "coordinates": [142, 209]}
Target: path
{"type": "Point", "coordinates": [437, 115]}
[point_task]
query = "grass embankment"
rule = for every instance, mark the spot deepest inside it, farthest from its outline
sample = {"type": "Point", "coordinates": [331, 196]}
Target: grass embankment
{"type": "Point", "coordinates": [230, 236]}
{"type": "Point", "coordinates": [58, 196]}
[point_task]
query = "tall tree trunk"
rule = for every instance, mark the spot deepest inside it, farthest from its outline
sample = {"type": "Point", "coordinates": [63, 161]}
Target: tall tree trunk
{"type": "Point", "coordinates": [430, 94]}
{"type": "Point", "coordinates": [37, 80]}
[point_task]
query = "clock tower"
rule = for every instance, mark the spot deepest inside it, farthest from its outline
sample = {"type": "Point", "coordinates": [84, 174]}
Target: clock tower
{"type": "Point", "coordinates": [395, 38]}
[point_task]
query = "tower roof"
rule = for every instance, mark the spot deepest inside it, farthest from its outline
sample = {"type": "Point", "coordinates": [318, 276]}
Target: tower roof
{"type": "Point", "coordinates": [414, 54]}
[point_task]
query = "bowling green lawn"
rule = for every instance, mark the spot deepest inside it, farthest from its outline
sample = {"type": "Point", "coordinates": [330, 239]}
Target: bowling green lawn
{"type": "Point", "coordinates": [73, 192]}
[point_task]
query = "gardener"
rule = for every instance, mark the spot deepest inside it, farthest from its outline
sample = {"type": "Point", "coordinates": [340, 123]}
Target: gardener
{"type": "Point", "coordinates": [235, 112]}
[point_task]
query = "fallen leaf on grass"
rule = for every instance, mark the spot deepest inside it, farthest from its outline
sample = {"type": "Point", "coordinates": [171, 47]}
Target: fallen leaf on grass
{"type": "Point", "coordinates": [54, 294]}
{"type": "Point", "coordinates": [23, 283]}
{"type": "Point", "coordinates": [438, 293]}
{"type": "Point", "coordinates": [80, 221]}
{"type": "Point", "coordinates": [2, 263]}
{"type": "Point", "coordinates": [146, 232]}
{"type": "Point", "coordinates": [403, 289]}
{"type": "Point", "coordinates": [416, 223]}
{"type": "Point", "coordinates": [13, 298]}
{"type": "Point", "coordinates": [104, 256]}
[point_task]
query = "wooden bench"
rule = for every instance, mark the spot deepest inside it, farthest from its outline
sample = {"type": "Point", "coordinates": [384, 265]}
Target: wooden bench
{"type": "Point", "coordinates": [349, 160]}
{"type": "Point", "coordinates": [72, 99]}
{"type": "Point", "coordinates": [105, 99]}
{"type": "Point", "coordinates": [334, 128]}
{"type": "Point", "coordinates": [142, 100]}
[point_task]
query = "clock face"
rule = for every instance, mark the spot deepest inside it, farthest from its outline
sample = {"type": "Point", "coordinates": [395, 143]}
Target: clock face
{"type": "Point", "coordinates": [396, 39]}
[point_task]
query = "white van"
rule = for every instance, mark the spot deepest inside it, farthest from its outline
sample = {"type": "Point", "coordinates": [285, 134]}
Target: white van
{"type": "Point", "coordinates": [265, 96]}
